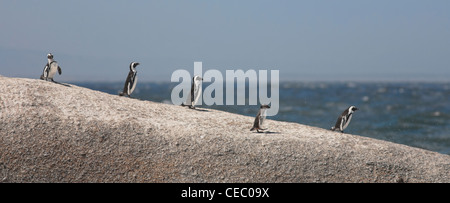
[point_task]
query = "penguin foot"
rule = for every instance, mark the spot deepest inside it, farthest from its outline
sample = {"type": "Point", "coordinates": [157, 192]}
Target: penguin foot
{"type": "Point", "coordinates": [260, 130]}
{"type": "Point", "coordinates": [182, 104]}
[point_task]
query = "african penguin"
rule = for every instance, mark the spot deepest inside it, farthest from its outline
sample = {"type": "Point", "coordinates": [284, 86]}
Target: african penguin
{"type": "Point", "coordinates": [260, 117]}
{"type": "Point", "coordinates": [345, 118]}
{"type": "Point", "coordinates": [50, 69]}
{"type": "Point", "coordinates": [196, 91]}
{"type": "Point", "coordinates": [130, 82]}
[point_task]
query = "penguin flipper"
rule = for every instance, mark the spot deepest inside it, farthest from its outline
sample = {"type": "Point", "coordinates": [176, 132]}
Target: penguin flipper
{"type": "Point", "coordinates": [59, 70]}
{"type": "Point", "coordinates": [132, 84]}
{"type": "Point", "coordinates": [128, 89]}
{"type": "Point", "coordinates": [45, 72]}
{"type": "Point", "coordinates": [343, 123]}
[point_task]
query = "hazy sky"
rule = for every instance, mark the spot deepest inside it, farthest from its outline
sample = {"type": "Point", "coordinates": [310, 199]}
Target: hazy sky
{"type": "Point", "coordinates": [316, 40]}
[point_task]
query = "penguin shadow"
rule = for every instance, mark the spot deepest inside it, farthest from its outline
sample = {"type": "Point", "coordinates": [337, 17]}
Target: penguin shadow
{"type": "Point", "coordinates": [196, 108]}
{"type": "Point", "coordinates": [267, 132]}
{"type": "Point", "coordinates": [130, 97]}
{"type": "Point", "coordinates": [63, 84]}
{"type": "Point", "coordinates": [201, 110]}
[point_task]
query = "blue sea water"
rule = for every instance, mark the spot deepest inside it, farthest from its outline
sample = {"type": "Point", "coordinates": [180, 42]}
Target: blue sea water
{"type": "Point", "coordinates": [411, 113]}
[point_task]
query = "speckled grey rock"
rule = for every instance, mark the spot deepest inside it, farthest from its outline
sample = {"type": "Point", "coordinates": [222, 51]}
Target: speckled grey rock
{"type": "Point", "coordinates": [63, 133]}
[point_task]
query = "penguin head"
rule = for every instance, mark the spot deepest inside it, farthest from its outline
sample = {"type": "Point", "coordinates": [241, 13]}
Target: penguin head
{"type": "Point", "coordinates": [133, 65]}
{"type": "Point", "coordinates": [197, 78]}
{"type": "Point", "coordinates": [352, 109]}
{"type": "Point", "coordinates": [49, 56]}
{"type": "Point", "coordinates": [265, 106]}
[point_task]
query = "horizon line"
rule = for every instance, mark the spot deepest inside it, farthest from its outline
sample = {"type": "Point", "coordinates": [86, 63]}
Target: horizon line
{"type": "Point", "coordinates": [281, 80]}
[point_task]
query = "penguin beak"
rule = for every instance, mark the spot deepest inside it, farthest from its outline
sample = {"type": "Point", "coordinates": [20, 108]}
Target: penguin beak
{"type": "Point", "coordinates": [354, 109]}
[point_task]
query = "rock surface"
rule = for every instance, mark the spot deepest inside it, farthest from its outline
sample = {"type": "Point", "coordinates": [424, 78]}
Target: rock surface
{"type": "Point", "coordinates": [64, 133]}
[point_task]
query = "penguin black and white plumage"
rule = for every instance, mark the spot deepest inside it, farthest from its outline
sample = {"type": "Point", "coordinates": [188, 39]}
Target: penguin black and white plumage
{"type": "Point", "coordinates": [345, 118]}
{"type": "Point", "coordinates": [259, 119]}
{"type": "Point", "coordinates": [131, 81]}
{"type": "Point", "coordinates": [50, 68]}
{"type": "Point", "coordinates": [196, 91]}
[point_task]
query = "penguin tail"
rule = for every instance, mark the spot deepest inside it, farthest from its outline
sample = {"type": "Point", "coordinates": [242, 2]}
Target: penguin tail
{"type": "Point", "coordinates": [121, 94]}
{"type": "Point", "coordinates": [252, 129]}
{"type": "Point", "coordinates": [332, 128]}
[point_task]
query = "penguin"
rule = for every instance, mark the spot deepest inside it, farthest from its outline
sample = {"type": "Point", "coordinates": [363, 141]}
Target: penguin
{"type": "Point", "coordinates": [50, 69]}
{"type": "Point", "coordinates": [196, 91]}
{"type": "Point", "coordinates": [131, 81]}
{"type": "Point", "coordinates": [260, 117]}
{"type": "Point", "coordinates": [343, 120]}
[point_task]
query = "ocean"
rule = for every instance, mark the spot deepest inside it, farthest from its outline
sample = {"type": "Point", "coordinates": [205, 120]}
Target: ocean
{"type": "Point", "coordinates": [410, 113]}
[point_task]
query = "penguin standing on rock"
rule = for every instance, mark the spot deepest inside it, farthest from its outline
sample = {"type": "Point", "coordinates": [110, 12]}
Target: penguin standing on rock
{"type": "Point", "coordinates": [50, 69]}
{"type": "Point", "coordinates": [196, 91]}
{"type": "Point", "coordinates": [345, 118]}
{"type": "Point", "coordinates": [260, 117]}
{"type": "Point", "coordinates": [131, 81]}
